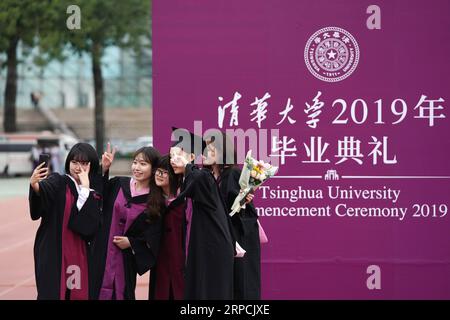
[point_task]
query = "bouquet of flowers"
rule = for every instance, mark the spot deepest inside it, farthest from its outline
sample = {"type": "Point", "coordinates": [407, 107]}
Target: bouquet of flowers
{"type": "Point", "coordinates": [254, 173]}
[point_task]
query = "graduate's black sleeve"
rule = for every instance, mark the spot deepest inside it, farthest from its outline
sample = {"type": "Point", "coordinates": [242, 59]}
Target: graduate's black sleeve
{"type": "Point", "coordinates": [40, 204]}
{"type": "Point", "coordinates": [194, 178]}
{"type": "Point", "coordinates": [86, 221]}
{"type": "Point", "coordinates": [233, 188]}
{"type": "Point", "coordinates": [105, 181]}
{"type": "Point", "coordinates": [109, 186]}
{"type": "Point", "coordinates": [190, 178]}
{"type": "Point", "coordinates": [145, 247]}
{"type": "Point", "coordinates": [99, 181]}
{"type": "Point", "coordinates": [35, 203]}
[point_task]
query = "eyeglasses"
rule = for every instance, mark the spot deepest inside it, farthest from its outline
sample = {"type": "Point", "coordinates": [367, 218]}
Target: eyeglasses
{"type": "Point", "coordinates": [161, 173]}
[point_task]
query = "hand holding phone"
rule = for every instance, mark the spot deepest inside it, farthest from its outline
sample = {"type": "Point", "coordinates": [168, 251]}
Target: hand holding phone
{"type": "Point", "coordinates": [39, 174]}
{"type": "Point", "coordinates": [44, 157]}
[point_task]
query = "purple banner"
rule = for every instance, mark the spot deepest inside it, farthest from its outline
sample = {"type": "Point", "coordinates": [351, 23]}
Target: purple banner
{"type": "Point", "coordinates": [351, 101]}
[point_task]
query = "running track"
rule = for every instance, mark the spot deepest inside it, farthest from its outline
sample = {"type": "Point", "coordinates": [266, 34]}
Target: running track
{"type": "Point", "coordinates": [17, 232]}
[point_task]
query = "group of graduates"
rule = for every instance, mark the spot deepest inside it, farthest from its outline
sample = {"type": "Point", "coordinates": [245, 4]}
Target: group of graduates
{"type": "Point", "coordinates": [170, 217]}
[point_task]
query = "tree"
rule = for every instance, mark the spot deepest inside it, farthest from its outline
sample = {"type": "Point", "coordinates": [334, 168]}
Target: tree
{"type": "Point", "coordinates": [21, 21]}
{"type": "Point", "coordinates": [108, 23]}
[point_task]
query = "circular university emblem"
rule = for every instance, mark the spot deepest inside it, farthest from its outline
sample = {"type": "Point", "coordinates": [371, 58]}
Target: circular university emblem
{"type": "Point", "coordinates": [331, 54]}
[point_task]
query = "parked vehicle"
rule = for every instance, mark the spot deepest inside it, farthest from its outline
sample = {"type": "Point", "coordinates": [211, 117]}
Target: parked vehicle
{"type": "Point", "coordinates": [19, 153]}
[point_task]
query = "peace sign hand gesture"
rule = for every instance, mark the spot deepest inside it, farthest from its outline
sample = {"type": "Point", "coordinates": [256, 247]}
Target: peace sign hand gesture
{"type": "Point", "coordinates": [108, 157]}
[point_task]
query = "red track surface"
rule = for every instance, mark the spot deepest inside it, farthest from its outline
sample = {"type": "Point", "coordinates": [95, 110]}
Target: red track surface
{"type": "Point", "coordinates": [17, 232]}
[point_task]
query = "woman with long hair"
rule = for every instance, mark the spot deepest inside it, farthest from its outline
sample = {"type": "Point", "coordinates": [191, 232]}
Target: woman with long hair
{"type": "Point", "coordinates": [167, 277]}
{"type": "Point", "coordinates": [128, 241]}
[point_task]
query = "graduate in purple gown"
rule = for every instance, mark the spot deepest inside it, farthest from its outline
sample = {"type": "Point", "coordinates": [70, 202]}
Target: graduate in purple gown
{"type": "Point", "coordinates": [69, 207]}
{"type": "Point", "coordinates": [167, 277]}
{"type": "Point", "coordinates": [128, 240]}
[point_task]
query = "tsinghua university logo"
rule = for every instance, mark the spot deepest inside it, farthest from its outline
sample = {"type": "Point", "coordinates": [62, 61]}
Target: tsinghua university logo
{"type": "Point", "coordinates": [331, 54]}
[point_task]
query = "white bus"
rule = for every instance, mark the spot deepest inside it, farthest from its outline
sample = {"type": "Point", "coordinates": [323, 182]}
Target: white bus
{"type": "Point", "coordinates": [15, 157]}
{"type": "Point", "coordinates": [16, 151]}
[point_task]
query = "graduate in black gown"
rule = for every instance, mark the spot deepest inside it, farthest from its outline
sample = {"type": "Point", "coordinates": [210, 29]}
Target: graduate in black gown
{"type": "Point", "coordinates": [128, 241]}
{"type": "Point", "coordinates": [221, 157]}
{"type": "Point", "coordinates": [210, 247]}
{"type": "Point", "coordinates": [69, 207]}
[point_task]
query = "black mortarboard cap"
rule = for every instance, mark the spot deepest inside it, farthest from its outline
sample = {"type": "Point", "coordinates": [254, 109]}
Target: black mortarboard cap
{"type": "Point", "coordinates": [189, 142]}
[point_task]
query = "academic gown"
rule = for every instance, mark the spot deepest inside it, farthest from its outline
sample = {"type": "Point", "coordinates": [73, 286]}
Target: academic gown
{"type": "Point", "coordinates": [247, 270]}
{"type": "Point", "coordinates": [144, 238]}
{"type": "Point", "coordinates": [63, 236]}
{"type": "Point", "coordinates": [167, 277]}
{"type": "Point", "coordinates": [211, 249]}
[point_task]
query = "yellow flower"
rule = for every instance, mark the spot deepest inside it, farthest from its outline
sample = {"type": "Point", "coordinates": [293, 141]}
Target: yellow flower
{"type": "Point", "coordinates": [257, 169]}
